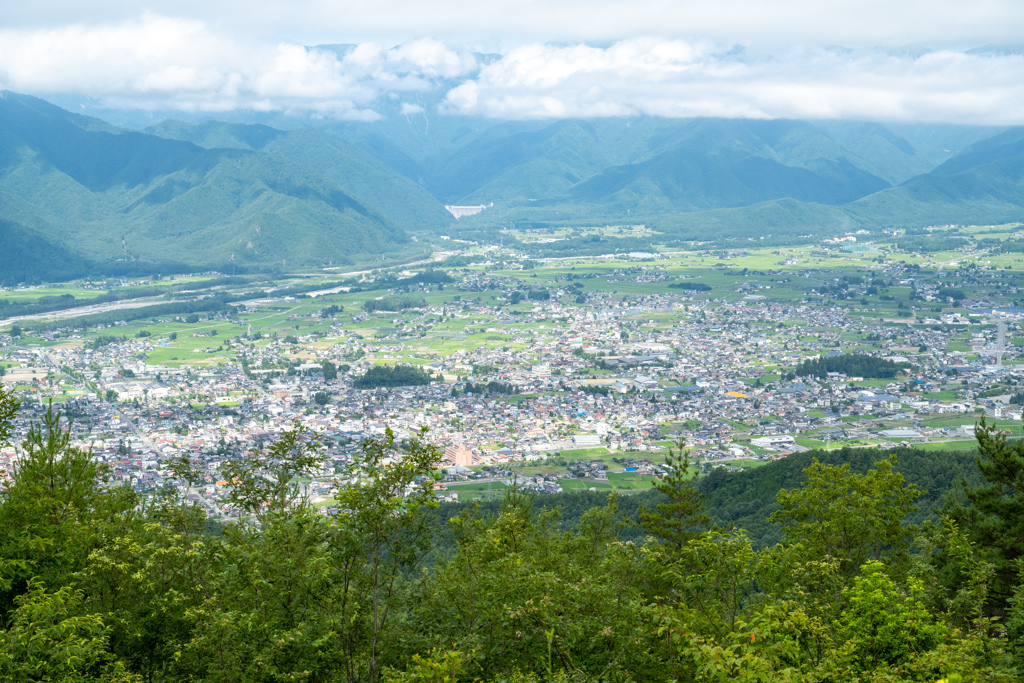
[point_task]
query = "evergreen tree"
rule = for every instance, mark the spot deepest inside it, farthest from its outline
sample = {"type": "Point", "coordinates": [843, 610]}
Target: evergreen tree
{"type": "Point", "coordinates": [680, 519]}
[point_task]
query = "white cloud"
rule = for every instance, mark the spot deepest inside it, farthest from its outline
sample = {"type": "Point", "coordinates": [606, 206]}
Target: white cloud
{"type": "Point", "coordinates": [165, 63]}
{"type": "Point", "coordinates": [680, 79]}
{"type": "Point", "coordinates": [157, 62]}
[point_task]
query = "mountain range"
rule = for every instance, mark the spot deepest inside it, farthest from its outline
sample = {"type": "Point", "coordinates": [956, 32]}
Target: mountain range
{"type": "Point", "coordinates": [78, 194]}
{"type": "Point", "coordinates": [115, 200]}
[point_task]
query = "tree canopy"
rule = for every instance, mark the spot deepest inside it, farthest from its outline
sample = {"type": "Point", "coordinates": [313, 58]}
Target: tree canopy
{"type": "Point", "coordinates": [96, 587]}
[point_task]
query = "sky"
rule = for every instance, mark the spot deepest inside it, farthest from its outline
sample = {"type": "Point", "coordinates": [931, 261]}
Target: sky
{"type": "Point", "coordinates": [894, 60]}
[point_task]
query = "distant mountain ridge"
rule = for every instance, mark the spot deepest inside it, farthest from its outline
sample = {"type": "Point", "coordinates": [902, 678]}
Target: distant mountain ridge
{"type": "Point", "coordinates": [379, 187]}
{"type": "Point", "coordinates": [120, 199]}
{"type": "Point", "coordinates": [79, 195]}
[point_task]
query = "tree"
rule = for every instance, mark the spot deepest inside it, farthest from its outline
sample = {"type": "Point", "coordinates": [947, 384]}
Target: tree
{"type": "Point", "coordinates": [392, 376]}
{"type": "Point", "coordinates": [55, 511]}
{"type": "Point", "coordinates": [882, 626]}
{"type": "Point", "coordinates": [15, 331]}
{"type": "Point", "coordinates": [384, 532]}
{"type": "Point", "coordinates": [992, 515]}
{"type": "Point", "coordinates": [50, 640]}
{"type": "Point", "coordinates": [267, 485]}
{"type": "Point", "coordinates": [852, 518]}
{"type": "Point", "coordinates": [8, 411]}
{"type": "Point", "coordinates": [321, 398]}
{"type": "Point", "coordinates": [330, 370]}
{"type": "Point", "coordinates": [679, 520]}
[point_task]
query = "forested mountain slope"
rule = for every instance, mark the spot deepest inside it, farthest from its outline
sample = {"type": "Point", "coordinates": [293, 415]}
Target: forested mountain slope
{"type": "Point", "coordinates": [376, 185]}
{"type": "Point", "coordinates": [117, 198]}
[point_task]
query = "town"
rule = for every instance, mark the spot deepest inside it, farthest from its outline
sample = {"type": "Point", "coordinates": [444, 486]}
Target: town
{"type": "Point", "coordinates": [561, 373]}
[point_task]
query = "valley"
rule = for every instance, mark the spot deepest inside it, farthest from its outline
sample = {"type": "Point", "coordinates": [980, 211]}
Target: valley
{"type": "Point", "coordinates": [568, 373]}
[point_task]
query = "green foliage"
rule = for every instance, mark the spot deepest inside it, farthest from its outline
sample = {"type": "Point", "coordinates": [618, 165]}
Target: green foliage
{"type": "Point", "coordinates": [926, 244]}
{"type": "Point", "coordinates": [50, 641]}
{"type": "Point", "coordinates": [429, 276]}
{"type": "Point", "coordinates": [883, 626]}
{"type": "Point", "coordinates": [853, 364]}
{"type": "Point", "coordinates": [691, 286]}
{"type": "Point", "coordinates": [951, 293]}
{"type": "Point", "coordinates": [851, 518]}
{"type": "Point", "coordinates": [392, 376]}
{"type": "Point", "coordinates": [101, 341]}
{"type": "Point", "coordinates": [98, 588]}
{"type": "Point", "coordinates": [49, 517]}
{"type": "Point", "coordinates": [8, 410]}
{"type": "Point", "coordinates": [485, 388]}
{"type": "Point", "coordinates": [330, 370]}
{"type": "Point", "coordinates": [992, 514]}
{"type": "Point", "coordinates": [394, 303]}
{"type": "Point", "coordinates": [266, 485]}
{"type": "Point", "coordinates": [675, 522]}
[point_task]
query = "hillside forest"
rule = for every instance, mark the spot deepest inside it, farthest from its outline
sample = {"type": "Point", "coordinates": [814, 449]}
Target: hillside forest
{"type": "Point", "coordinates": [95, 586]}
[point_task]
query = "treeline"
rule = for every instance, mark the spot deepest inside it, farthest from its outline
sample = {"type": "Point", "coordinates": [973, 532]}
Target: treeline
{"type": "Point", "coordinates": [692, 286]}
{"type": "Point", "coordinates": [952, 293]}
{"type": "Point", "coordinates": [927, 244]}
{"type": "Point", "coordinates": [459, 261]}
{"type": "Point", "coordinates": [593, 245]}
{"type": "Point", "coordinates": [429, 276]}
{"type": "Point", "coordinates": [484, 388]}
{"type": "Point", "coordinates": [531, 294]}
{"type": "Point", "coordinates": [98, 587]}
{"type": "Point", "coordinates": [1014, 245]}
{"type": "Point", "coordinates": [853, 364]}
{"type": "Point", "coordinates": [747, 499]}
{"type": "Point", "coordinates": [394, 303]}
{"type": "Point", "coordinates": [392, 376]}
{"type": "Point", "coordinates": [103, 340]}
{"type": "Point", "coordinates": [45, 304]}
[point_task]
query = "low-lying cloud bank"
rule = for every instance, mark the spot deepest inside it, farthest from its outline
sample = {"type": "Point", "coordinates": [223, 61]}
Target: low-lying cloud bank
{"type": "Point", "coordinates": [163, 63]}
